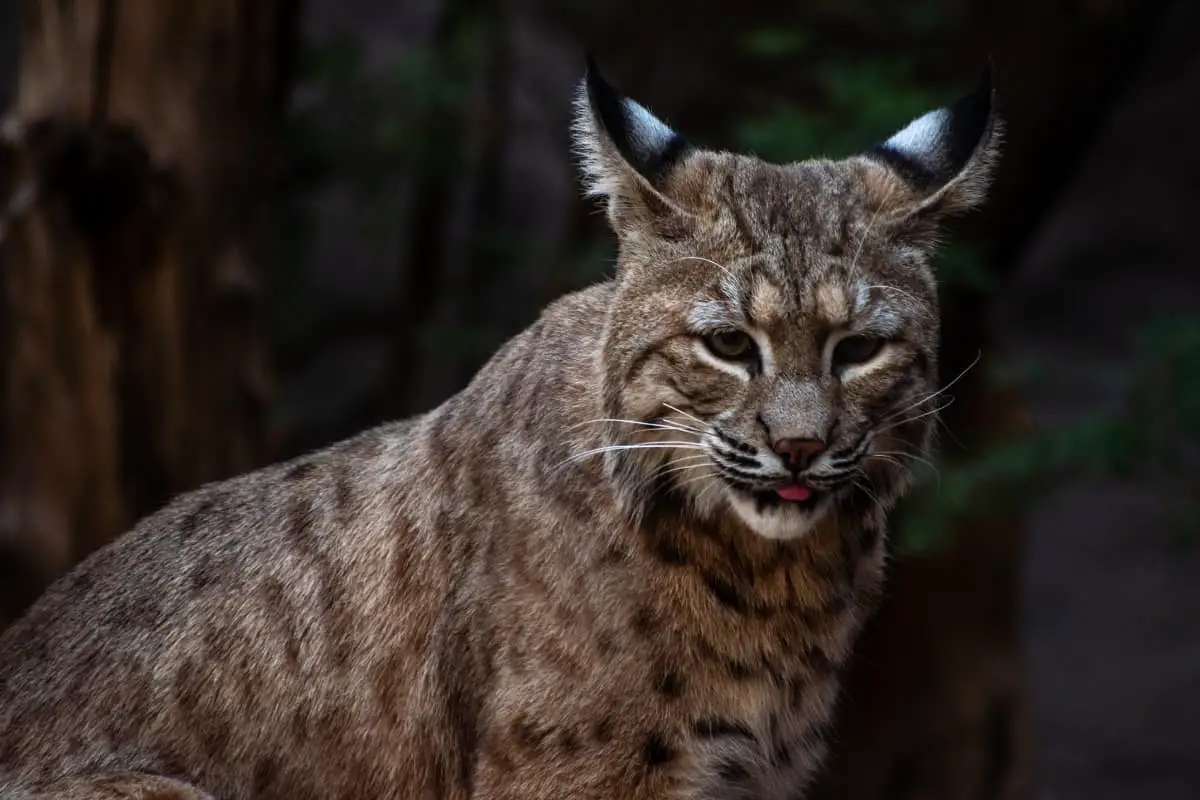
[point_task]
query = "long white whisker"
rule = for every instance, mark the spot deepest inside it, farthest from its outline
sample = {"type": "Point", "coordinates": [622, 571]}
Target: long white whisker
{"type": "Point", "coordinates": [680, 464]}
{"type": "Point", "coordinates": [685, 459]}
{"type": "Point", "coordinates": [949, 402]}
{"type": "Point", "coordinates": [904, 468]}
{"type": "Point", "coordinates": [891, 455]}
{"type": "Point", "coordinates": [909, 295]}
{"type": "Point", "coordinates": [862, 241]}
{"type": "Point", "coordinates": [952, 434]}
{"type": "Point", "coordinates": [871, 491]}
{"type": "Point", "coordinates": [684, 413]}
{"type": "Point", "coordinates": [677, 465]}
{"type": "Point", "coordinates": [924, 400]}
{"type": "Point", "coordinates": [891, 460]}
{"type": "Point", "coordinates": [706, 261]}
{"type": "Point", "coordinates": [705, 476]}
{"type": "Point", "coordinates": [914, 457]}
{"type": "Point", "coordinates": [662, 425]}
{"type": "Point", "coordinates": [874, 497]}
{"type": "Point", "coordinates": [684, 468]}
{"type": "Point", "coordinates": [641, 446]}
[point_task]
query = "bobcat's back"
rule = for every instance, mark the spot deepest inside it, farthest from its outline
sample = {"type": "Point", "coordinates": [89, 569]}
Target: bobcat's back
{"type": "Point", "coordinates": [231, 631]}
{"type": "Point", "coordinates": [288, 627]}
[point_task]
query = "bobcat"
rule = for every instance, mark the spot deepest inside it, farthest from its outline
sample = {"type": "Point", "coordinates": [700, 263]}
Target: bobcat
{"type": "Point", "coordinates": [627, 561]}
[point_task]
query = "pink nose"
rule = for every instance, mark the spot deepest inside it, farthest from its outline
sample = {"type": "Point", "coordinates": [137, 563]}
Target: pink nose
{"type": "Point", "coordinates": [799, 453]}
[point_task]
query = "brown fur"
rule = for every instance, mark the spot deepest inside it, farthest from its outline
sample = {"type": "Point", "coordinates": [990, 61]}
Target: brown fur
{"type": "Point", "coordinates": [495, 600]}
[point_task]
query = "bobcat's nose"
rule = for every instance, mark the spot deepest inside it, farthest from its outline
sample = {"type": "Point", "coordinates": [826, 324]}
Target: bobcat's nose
{"type": "Point", "coordinates": [799, 453]}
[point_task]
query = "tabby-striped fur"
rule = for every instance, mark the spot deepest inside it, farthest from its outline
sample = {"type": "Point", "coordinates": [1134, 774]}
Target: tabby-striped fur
{"type": "Point", "coordinates": [578, 577]}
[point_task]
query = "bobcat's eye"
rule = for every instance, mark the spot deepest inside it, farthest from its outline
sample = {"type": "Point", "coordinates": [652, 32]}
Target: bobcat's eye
{"type": "Point", "coordinates": [731, 344]}
{"type": "Point", "coordinates": [855, 350]}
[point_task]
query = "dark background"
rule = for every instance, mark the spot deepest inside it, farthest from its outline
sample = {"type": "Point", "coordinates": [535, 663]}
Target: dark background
{"type": "Point", "coordinates": [350, 204]}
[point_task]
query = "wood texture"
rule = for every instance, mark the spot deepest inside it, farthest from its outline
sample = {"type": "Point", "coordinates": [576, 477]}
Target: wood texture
{"type": "Point", "coordinates": [134, 367]}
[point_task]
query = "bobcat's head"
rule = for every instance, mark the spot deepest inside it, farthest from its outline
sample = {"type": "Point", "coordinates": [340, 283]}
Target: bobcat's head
{"type": "Point", "coordinates": [772, 345]}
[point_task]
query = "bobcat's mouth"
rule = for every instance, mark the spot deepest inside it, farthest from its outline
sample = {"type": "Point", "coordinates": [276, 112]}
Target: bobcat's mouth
{"type": "Point", "coordinates": [779, 509]}
{"type": "Point", "coordinates": [778, 496]}
{"type": "Point", "coordinates": [794, 495]}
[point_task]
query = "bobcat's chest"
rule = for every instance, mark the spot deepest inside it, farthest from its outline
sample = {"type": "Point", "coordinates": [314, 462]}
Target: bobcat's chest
{"type": "Point", "coordinates": [772, 757]}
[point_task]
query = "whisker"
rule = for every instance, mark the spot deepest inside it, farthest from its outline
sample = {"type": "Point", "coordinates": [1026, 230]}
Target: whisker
{"type": "Point", "coordinates": [890, 460]}
{"type": "Point", "coordinates": [668, 426]}
{"type": "Point", "coordinates": [907, 420]}
{"type": "Point", "coordinates": [924, 400]}
{"type": "Point", "coordinates": [700, 498]}
{"type": "Point", "coordinates": [677, 464]}
{"type": "Point", "coordinates": [903, 468]}
{"type": "Point", "coordinates": [684, 467]}
{"type": "Point", "coordinates": [692, 457]}
{"type": "Point", "coordinates": [890, 456]}
{"type": "Point", "coordinates": [872, 495]}
{"type": "Point", "coordinates": [692, 480]}
{"type": "Point", "coordinates": [951, 434]}
{"type": "Point", "coordinates": [909, 295]}
{"type": "Point", "coordinates": [722, 267]}
{"type": "Point", "coordinates": [641, 446]}
{"type": "Point", "coordinates": [663, 425]}
{"type": "Point", "coordinates": [684, 413]}
{"type": "Point", "coordinates": [924, 305]}
{"type": "Point", "coordinates": [866, 234]}
{"type": "Point", "coordinates": [913, 456]}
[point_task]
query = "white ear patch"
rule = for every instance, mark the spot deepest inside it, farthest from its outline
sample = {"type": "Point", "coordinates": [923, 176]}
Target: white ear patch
{"type": "Point", "coordinates": [614, 135]}
{"type": "Point", "coordinates": [647, 133]}
{"type": "Point", "coordinates": [922, 137]}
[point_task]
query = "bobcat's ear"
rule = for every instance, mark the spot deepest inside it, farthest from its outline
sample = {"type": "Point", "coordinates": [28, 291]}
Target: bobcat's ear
{"type": "Point", "coordinates": [626, 153]}
{"type": "Point", "coordinates": [941, 163]}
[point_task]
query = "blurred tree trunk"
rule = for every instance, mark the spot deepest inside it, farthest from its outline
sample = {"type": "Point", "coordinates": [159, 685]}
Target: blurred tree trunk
{"type": "Point", "coordinates": [139, 159]}
{"type": "Point", "coordinates": [488, 236]}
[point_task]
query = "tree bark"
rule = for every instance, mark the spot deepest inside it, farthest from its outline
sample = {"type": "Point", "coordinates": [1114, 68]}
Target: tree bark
{"type": "Point", "coordinates": [139, 156]}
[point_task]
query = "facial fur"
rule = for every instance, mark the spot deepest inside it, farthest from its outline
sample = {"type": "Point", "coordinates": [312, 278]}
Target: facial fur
{"type": "Point", "coordinates": [819, 274]}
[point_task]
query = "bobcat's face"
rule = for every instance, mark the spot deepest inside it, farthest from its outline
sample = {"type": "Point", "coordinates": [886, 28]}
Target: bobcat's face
{"type": "Point", "coordinates": [771, 348]}
{"type": "Point", "coordinates": [803, 366]}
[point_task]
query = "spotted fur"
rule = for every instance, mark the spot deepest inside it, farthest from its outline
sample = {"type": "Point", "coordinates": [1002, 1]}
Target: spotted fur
{"type": "Point", "coordinates": [575, 578]}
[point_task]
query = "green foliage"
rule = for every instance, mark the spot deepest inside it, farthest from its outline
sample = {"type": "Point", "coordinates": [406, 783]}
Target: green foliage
{"type": "Point", "coordinates": [959, 264]}
{"type": "Point", "coordinates": [859, 100]}
{"type": "Point", "coordinates": [406, 115]}
{"type": "Point", "coordinates": [336, 62]}
{"type": "Point", "coordinates": [366, 128]}
{"type": "Point", "coordinates": [775, 43]}
{"type": "Point", "coordinates": [1152, 437]}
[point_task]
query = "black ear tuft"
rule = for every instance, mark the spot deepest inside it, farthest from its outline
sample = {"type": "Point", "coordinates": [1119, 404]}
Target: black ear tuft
{"type": "Point", "coordinates": [936, 148]}
{"type": "Point", "coordinates": [645, 142]}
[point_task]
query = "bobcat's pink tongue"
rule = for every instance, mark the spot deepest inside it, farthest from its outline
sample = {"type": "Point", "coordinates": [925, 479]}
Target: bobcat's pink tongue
{"type": "Point", "coordinates": [796, 492]}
